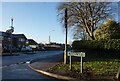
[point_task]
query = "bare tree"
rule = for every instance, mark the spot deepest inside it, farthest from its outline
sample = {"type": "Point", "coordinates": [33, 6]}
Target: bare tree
{"type": "Point", "coordinates": [78, 33]}
{"type": "Point", "coordinates": [86, 15]}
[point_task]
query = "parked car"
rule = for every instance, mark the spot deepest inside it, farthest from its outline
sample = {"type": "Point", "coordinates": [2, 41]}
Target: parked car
{"type": "Point", "coordinates": [26, 48]}
{"type": "Point", "coordinates": [8, 48]}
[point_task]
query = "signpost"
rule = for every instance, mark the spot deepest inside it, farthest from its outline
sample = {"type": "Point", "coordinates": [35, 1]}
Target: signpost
{"type": "Point", "coordinates": [77, 54]}
{"type": "Point", "coordinates": [118, 74]}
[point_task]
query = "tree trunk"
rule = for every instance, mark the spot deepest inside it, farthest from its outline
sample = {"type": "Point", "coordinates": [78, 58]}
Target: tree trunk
{"type": "Point", "coordinates": [90, 37]}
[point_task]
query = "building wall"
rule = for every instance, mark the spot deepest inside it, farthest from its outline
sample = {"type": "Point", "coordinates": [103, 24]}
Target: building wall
{"type": "Point", "coordinates": [17, 42]}
{"type": "Point", "coordinates": [21, 42]}
{"type": "Point", "coordinates": [6, 41]}
{"type": "Point", "coordinates": [0, 44]}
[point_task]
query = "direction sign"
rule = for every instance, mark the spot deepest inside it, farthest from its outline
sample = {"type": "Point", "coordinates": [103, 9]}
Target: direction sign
{"type": "Point", "coordinates": [77, 54]}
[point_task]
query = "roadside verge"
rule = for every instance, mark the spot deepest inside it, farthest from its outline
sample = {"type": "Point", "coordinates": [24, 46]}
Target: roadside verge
{"type": "Point", "coordinates": [41, 67]}
{"type": "Point", "coordinates": [53, 75]}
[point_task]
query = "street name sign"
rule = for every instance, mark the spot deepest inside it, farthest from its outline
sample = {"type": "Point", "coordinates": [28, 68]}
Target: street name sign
{"type": "Point", "coordinates": [77, 54]}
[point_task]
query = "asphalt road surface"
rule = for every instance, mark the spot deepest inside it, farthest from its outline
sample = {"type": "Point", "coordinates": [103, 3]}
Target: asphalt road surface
{"type": "Point", "coordinates": [16, 67]}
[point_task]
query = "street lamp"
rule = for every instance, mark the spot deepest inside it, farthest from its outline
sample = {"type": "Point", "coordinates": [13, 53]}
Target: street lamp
{"type": "Point", "coordinates": [49, 36]}
{"type": "Point", "coordinates": [11, 31]}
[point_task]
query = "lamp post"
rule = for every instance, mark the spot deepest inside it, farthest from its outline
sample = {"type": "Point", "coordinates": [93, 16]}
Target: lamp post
{"type": "Point", "coordinates": [10, 43]}
{"type": "Point", "coordinates": [49, 36]}
{"type": "Point", "coordinates": [11, 31]}
{"type": "Point", "coordinates": [65, 51]}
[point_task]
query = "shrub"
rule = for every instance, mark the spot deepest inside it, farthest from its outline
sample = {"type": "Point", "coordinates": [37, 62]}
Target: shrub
{"type": "Point", "coordinates": [108, 30]}
{"type": "Point", "coordinates": [111, 44]}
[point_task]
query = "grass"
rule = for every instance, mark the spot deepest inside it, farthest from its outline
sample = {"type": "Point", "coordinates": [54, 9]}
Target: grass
{"type": "Point", "coordinates": [90, 68]}
{"type": "Point", "coordinates": [103, 68]}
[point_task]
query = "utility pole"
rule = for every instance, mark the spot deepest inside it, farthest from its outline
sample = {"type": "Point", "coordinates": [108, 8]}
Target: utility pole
{"type": "Point", "coordinates": [65, 51]}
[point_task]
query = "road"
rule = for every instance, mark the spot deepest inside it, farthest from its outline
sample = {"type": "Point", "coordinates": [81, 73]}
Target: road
{"type": "Point", "coordinates": [16, 67]}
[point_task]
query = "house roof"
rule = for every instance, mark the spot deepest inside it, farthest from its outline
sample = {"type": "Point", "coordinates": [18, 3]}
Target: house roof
{"type": "Point", "coordinates": [20, 36]}
{"type": "Point", "coordinates": [4, 34]}
{"type": "Point", "coordinates": [13, 35]}
{"type": "Point", "coordinates": [32, 42]}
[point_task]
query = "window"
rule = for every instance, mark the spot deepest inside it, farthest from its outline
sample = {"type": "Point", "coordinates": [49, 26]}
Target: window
{"type": "Point", "coordinates": [1, 37]}
{"type": "Point", "coordinates": [9, 39]}
{"type": "Point", "coordinates": [21, 39]}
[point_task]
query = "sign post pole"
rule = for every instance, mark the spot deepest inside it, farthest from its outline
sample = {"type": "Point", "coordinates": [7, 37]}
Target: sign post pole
{"type": "Point", "coordinates": [81, 64]}
{"type": "Point", "coordinates": [70, 63]}
{"type": "Point", "coordinates": [118, 74]}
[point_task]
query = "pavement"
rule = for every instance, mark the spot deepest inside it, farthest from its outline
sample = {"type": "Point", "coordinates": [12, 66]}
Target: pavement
{"type": "Point", "coordinates": [16, 53]}
{"type": "Point", "coordinates": [42, 66]}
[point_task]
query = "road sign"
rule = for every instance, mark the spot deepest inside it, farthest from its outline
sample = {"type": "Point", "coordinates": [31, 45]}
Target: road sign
{"type": "Point", "coordinates": [77, 54]}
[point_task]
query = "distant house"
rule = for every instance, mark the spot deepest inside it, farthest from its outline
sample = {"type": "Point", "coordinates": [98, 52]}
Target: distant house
{"type": "Point", "coordinates": [33, 44]}
{"type": "Point", "coordinates": [11, 41]}
{"type": "Point", "coordinates": [19, 40]}
{"type": "Point", "coordinates": [56, 46]}
{"type": "Point", "coordinates": [6, 40]}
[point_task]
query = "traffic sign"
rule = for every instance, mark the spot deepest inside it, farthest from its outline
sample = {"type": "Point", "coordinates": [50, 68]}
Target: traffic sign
{"type": "Point", "coordinates": [77, 54]}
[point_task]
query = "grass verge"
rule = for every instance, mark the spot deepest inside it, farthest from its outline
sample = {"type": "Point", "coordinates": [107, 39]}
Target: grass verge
{"type": "Point", "coordinates": [90, 69]}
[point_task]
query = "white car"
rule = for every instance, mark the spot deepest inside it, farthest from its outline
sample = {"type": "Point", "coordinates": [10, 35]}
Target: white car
{"type": "Point", "coordinates": [27, 48]}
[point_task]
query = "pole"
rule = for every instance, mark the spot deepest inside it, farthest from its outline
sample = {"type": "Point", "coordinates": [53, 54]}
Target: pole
{"type": "Point", "coordinates": [11, 37]}
{"type": "Point", "coordinates": [81, 65]}
{"type": "Point", "coordinates": [118, 74]}
{"type": "Point", "coordinates": [50, 36]}
{"type": "Point", "coordinates": [11, 44]}
{"type": "Point", "coordinates": [70, 62]}
{"type": "Point", "coordinates": [12, 22]}
{"type": "Point", "coordinates": [65, 51]}
{"type": "Point", "coordinates": [49, 39]}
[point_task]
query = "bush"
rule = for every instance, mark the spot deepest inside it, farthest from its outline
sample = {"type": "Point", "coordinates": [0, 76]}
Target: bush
{"type": "Point", "coordinates": [108, 30]}
{"type": "Point", "coordinates": [112, 44]}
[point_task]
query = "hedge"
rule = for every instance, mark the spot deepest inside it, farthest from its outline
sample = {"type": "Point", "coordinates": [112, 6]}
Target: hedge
{"type": "Point", "coordinates": [112, 44]}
